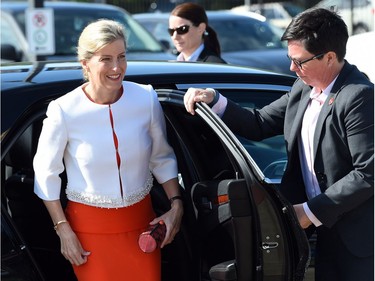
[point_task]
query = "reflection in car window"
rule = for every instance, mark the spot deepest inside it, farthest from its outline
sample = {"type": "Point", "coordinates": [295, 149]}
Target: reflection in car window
{"type": "Point", "coordinates": [292, 9]}
{"type": "Point", "coordinates": [253, 99]}
{"type": "Point", "coordinates": [270, 153]}
{"type": "Point", "coordinates": [250, 35]}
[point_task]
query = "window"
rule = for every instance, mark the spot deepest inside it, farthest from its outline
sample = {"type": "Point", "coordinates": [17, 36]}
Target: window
{"type": "Point", "coordinates": [270, 153]}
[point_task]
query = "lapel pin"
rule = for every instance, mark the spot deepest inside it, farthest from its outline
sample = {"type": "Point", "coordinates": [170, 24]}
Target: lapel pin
{"type": "Point", "coordinates": [331, 101]}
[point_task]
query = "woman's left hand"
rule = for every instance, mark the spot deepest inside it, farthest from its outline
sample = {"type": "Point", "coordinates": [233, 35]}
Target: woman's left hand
{"type": "Point", "coordinates": [172, 220]}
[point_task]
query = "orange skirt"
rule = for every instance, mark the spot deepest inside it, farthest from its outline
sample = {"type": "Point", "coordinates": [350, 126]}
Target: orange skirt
{"type": "Point", "coordinates": [111, 235]}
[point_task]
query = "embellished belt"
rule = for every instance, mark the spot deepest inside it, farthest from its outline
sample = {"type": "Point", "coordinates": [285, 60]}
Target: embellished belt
{"type": "Point", "coordinates": [105, 201]}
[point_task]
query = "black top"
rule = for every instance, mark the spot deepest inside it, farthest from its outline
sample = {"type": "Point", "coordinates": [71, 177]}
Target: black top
{"type": "Point", "coordinates": [207, 55]}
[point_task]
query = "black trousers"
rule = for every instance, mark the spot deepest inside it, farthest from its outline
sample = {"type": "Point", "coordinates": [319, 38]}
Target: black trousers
{"type": "Point", "coordinates": [334, 262]}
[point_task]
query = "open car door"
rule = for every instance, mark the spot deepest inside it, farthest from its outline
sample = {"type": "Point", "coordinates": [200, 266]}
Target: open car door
{"type": "Point", "coordinates": [236, 225]}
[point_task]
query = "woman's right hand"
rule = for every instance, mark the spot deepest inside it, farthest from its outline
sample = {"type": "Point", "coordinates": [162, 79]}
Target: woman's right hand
{"type": "Point", "coordinates": [71, 248]}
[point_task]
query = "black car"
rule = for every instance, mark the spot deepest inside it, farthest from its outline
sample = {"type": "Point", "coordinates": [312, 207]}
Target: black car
{"type": "Point", "coordinates": [236, 224]}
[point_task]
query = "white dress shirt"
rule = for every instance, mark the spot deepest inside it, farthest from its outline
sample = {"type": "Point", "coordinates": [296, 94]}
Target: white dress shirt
{"type": "Point", "coordinates": [306, 147]}
{"type": "Point", "coordinates": [194, 56]}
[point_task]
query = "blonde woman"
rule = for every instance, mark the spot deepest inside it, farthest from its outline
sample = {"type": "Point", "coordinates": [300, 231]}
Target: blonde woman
{"type": "Point", "coordinates": [111, 136]}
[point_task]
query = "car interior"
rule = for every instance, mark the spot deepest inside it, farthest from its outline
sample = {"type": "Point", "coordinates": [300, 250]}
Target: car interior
{"type": "Point", "coordinates": [223, 223]}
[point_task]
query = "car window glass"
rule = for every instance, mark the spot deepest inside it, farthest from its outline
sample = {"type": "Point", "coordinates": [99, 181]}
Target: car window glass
{"type": "Point", "coordinates": [269, 13]}
{"type": "Point", "coordinates": [292, 9]}
{"type": "Point", "coordinates": [159, 29]}
{"type": "Point", "coordinates": [278, 14]}
{"type": "Point", "coordinates": [252, 98]}
{"type": "Point", "coordinates": [270, 153]}
{"type": "Point", "coordinates": [69, 25]}
{"type": "Point", "coordinates": [237, 35]}
{"type": "Point", "coordinates": [138, 38]}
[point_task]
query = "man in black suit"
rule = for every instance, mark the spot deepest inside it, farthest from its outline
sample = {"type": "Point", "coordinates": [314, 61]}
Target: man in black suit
{"type": "Point", "coordinates": [328, 123]}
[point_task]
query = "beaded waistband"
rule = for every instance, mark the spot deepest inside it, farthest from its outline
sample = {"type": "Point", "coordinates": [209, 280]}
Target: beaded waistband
{"type": "Point", "coordinates": [105, 201]}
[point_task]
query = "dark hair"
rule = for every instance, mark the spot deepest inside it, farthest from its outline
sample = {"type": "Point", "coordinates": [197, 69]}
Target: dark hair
{"type": "Point", "coordinates": [196, 14]}
{"type": "Point", "coordinates": [320, 31]}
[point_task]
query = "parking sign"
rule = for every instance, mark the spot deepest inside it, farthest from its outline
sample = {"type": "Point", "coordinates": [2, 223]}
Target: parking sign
{"type": "Point", "coordinates": [40, 31]}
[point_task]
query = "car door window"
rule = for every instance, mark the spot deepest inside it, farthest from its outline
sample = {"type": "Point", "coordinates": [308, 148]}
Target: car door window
{"type": "Point", "coordinates": [239, 35]}
{"type": "Point", "coordinates": [270, 153]}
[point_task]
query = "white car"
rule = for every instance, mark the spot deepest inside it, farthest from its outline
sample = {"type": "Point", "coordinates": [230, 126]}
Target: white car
{"type": "Point", "coordinates": [359, 19]}
{"type": "Point", "coordinates": [360, 51]}
{"type": "Point", "coordinates": [278, 13]}
{"type": "Point", "coordinates": [14, 46]}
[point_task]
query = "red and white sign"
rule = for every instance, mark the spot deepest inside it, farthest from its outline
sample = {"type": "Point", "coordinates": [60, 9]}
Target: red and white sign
{"type": "Point", "coordinates": [40, 31]}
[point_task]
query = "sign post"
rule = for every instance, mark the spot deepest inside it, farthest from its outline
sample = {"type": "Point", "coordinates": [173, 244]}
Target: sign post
{"type": "Point", "coordinates": [40, 31]}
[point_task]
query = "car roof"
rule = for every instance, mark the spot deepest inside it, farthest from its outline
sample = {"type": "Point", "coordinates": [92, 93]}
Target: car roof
{"type": "Point", "coordinates": [228, 14]}
{"type": "Point", "coordinates": [57, 78]}
{"type": "Point", "coordinates": [18, 74]}
{"type": "Point", "coordinates": [162, 15]}
{"type": "Point", "coordinates": [214, 15]}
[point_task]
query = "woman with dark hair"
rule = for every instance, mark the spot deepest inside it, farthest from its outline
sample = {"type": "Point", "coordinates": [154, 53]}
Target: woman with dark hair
{"type": "Point", "coordinates": [193, 38]}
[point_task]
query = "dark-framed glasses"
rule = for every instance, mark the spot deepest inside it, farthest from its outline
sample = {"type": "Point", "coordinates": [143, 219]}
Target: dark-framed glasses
{"type": "Point", "coordinates": [183, 29]}
{"type": "Point", "coordinates": [300, 63]}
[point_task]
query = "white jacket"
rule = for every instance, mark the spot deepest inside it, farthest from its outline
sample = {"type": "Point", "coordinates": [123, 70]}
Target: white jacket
{"type": "Point", "coordinates": [79, 131]}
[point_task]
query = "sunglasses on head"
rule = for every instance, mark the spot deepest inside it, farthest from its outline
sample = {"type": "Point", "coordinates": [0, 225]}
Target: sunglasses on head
{"type": "Point", "coordinates": [183, 29]}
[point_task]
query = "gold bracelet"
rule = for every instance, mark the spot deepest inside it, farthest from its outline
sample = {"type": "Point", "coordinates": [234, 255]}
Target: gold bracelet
{"type": "Point", "coordinates": [58, 223]}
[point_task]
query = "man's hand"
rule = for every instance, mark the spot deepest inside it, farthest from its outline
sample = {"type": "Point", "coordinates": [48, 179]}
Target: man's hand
{"type": "Point", "coordinates": [303, 219]}
{"type": "Point", "coordinates": [194, 95]}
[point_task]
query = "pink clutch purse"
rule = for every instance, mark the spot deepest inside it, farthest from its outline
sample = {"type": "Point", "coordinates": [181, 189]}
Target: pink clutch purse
{"type": "Point", "coordinates": [152, 237]}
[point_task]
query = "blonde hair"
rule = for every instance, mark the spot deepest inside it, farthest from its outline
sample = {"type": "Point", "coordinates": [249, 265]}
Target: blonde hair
{"type": "Point", "coordinates": [96, 35]}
